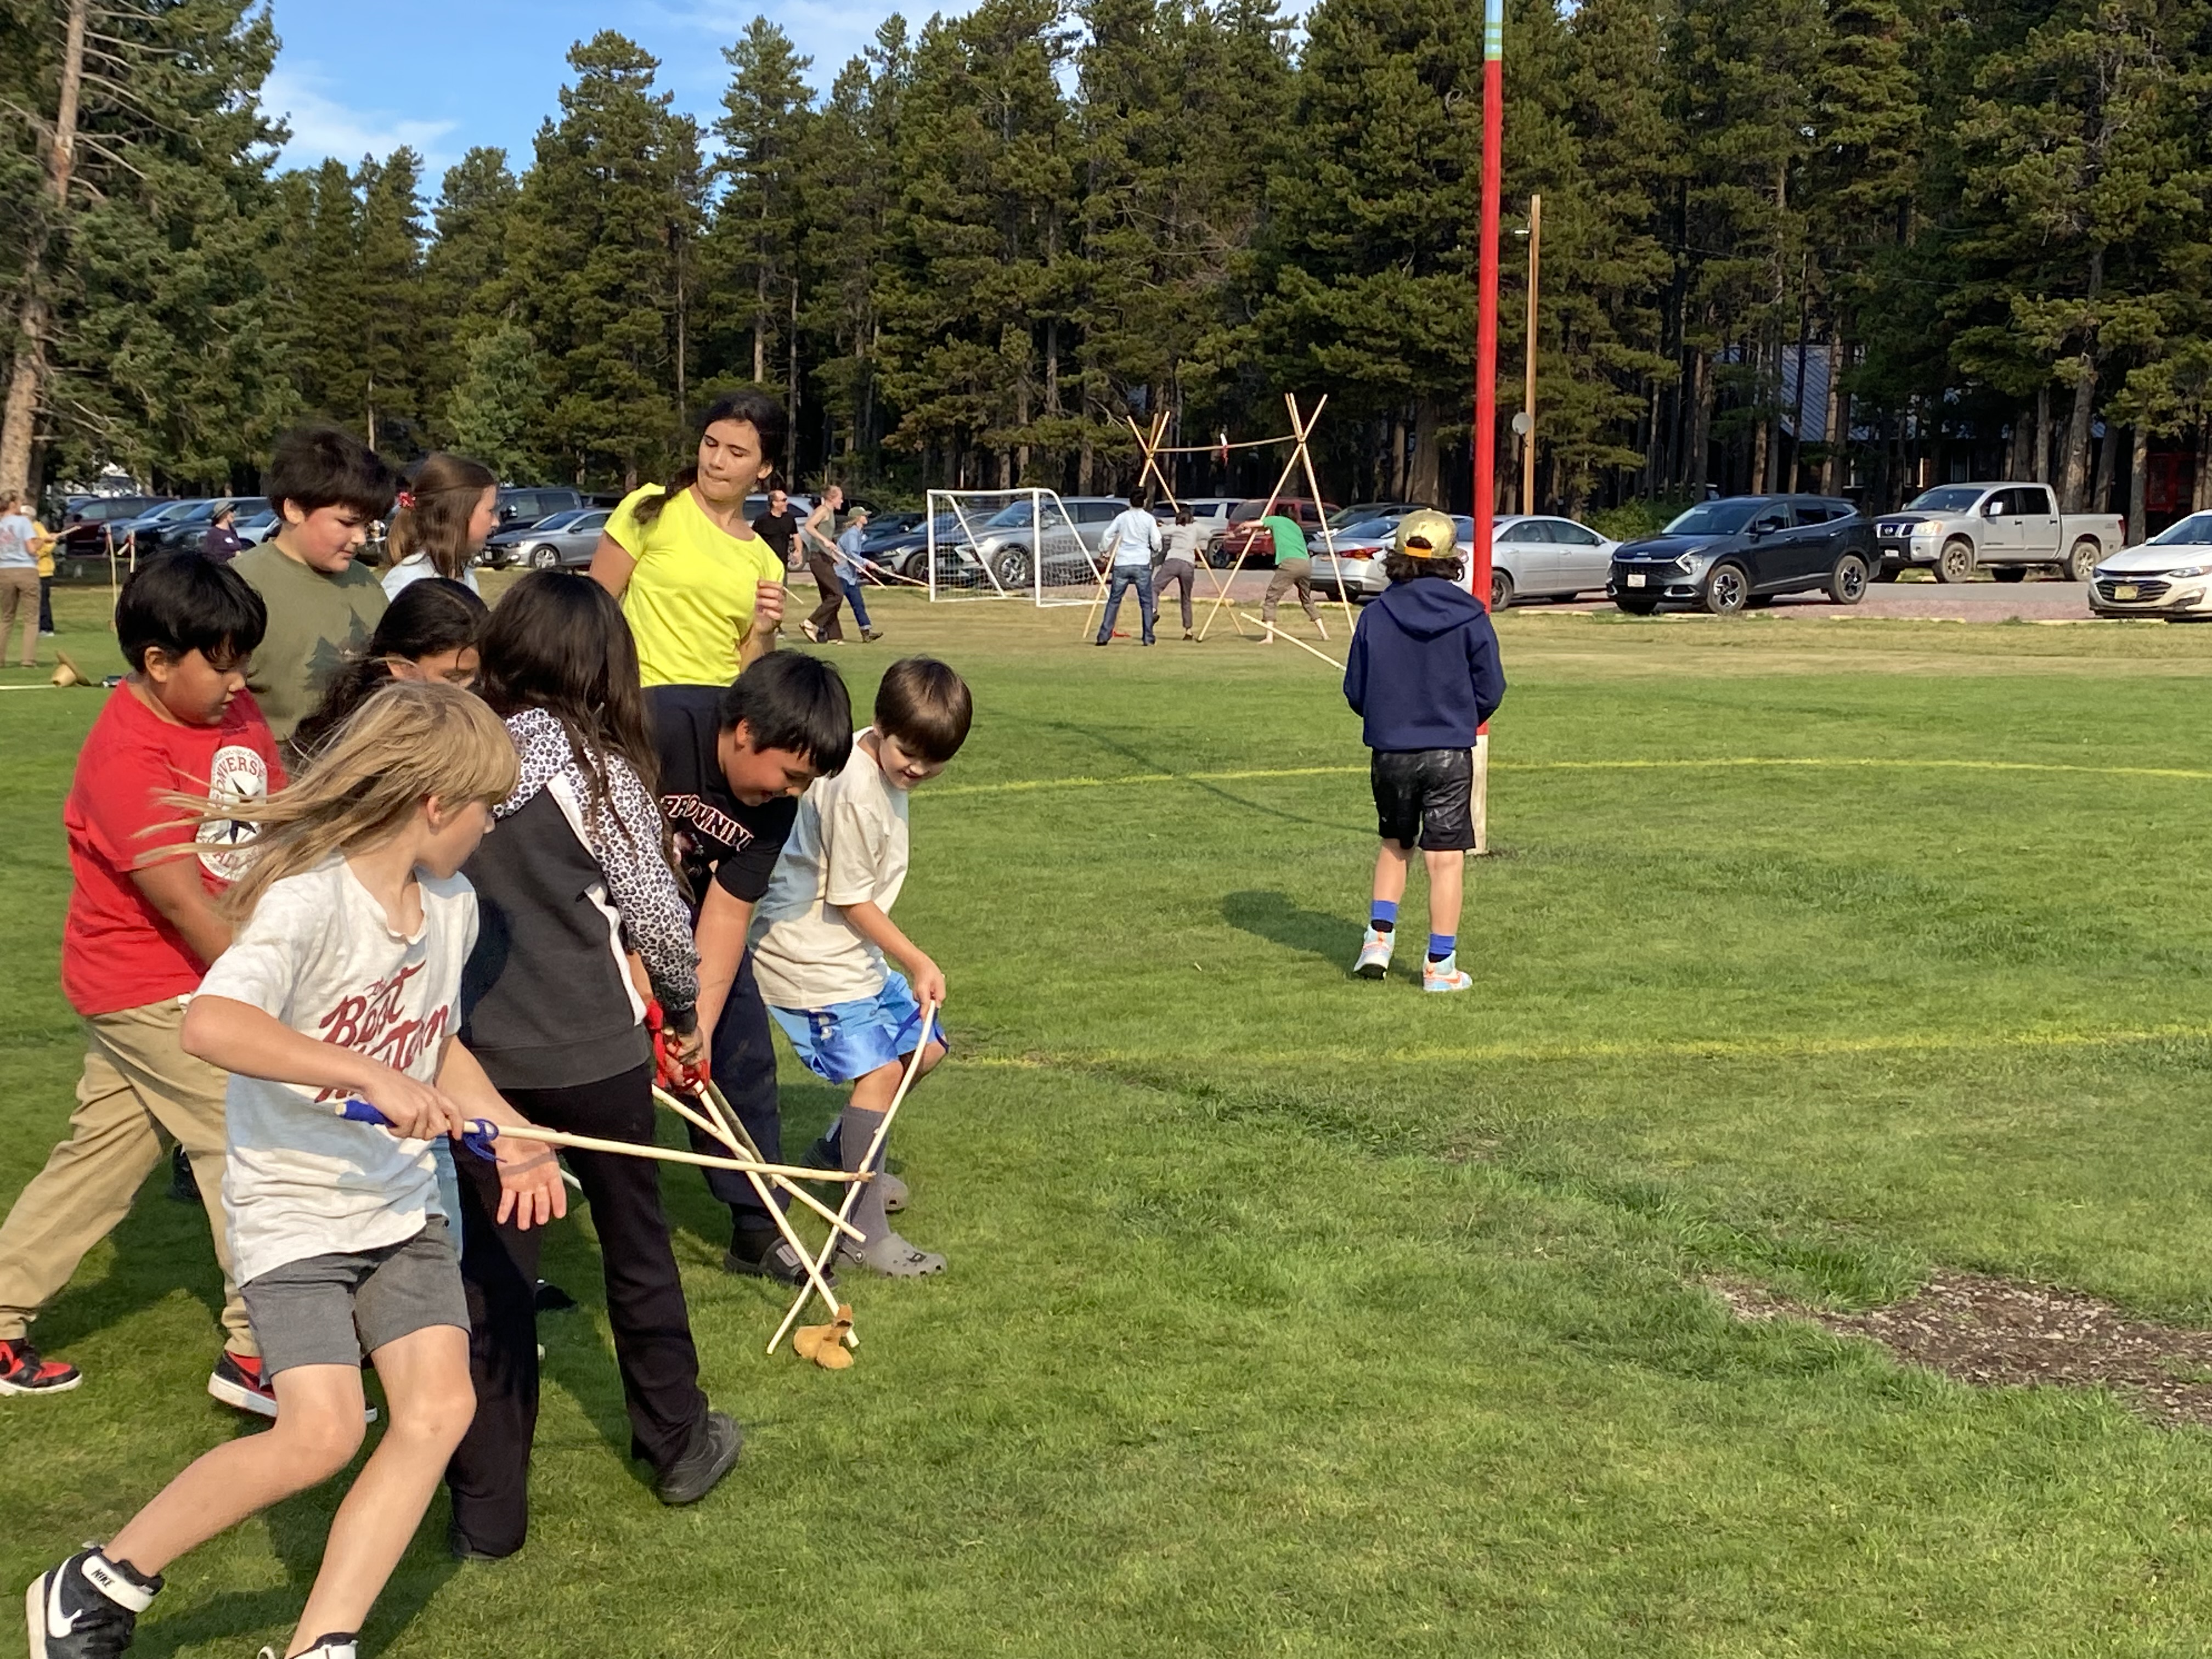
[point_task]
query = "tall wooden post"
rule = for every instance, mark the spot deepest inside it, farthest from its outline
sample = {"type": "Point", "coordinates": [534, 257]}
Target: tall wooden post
{"type": "Point", "coordinates": [1528, 388]}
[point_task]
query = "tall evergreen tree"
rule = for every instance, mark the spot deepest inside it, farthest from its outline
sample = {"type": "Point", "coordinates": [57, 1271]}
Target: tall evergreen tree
{"type": "Point", "coordinates": [766, 110]}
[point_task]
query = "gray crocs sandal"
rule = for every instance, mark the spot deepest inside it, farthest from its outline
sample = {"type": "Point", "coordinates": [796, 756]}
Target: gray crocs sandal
{"type": "Point", "coordinates": [823, 1155]}
{"type": "Point", "coordinates": [891, 1256]}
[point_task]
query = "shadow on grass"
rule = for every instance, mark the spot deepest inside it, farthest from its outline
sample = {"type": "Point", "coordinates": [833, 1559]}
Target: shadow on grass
{"type": "Point", "coordinates": [1149, 762]}
{"type": "Point", "coordinates": [1279, 920]}
{"type": "Point", "coordinates": [161, 1246]}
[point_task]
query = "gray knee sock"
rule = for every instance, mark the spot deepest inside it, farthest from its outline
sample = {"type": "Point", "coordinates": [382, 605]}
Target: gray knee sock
{"type": "Point", "coordinates": [856, 1131]}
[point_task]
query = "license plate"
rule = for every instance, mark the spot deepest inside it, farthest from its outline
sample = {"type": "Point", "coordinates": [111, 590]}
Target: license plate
{"type": "Point", "coordinates": [2125, 591]}
{"type": "Point", "coordinates": [1635, 580]}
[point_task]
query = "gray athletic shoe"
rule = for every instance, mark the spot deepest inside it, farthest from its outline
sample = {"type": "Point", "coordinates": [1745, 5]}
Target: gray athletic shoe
{"type": "Point", "coordinates": [891, 1256]}
{"type": "Point", "coordinates": [712, 1454]}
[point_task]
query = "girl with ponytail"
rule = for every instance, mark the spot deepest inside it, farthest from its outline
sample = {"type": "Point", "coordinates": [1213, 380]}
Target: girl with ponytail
{"type": "Point", "coordinates": [444, 515]}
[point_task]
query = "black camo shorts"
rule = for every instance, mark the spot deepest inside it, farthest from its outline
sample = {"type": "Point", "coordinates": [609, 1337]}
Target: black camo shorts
{"type": "Point", "coordinates": [1424, 795]}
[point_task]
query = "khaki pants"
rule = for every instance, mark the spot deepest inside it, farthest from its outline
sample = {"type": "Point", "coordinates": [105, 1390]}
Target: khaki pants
{"type": "Point", "coordinates": [138, 1084]}
{"type": "Point", "coordinates": [19, 597]}
{"type": "Point", "coordinates": [1290, 573]}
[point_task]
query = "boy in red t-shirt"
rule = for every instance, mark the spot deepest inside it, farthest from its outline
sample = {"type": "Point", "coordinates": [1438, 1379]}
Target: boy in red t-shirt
{"type": "Point", "coordinates": [141, 932]}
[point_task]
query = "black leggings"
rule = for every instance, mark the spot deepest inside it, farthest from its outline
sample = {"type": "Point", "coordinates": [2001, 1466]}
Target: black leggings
{"type": "Point", "coordinates": [489, 1474]}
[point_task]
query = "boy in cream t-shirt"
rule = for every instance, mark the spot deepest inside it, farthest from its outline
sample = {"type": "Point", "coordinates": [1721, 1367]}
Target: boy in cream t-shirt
{"type": "Point", "coordinates": [822, 931]}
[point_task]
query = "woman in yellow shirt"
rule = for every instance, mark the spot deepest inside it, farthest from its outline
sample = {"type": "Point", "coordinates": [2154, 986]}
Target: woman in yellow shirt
{"type": "Point", "coordinates": [703, 594]}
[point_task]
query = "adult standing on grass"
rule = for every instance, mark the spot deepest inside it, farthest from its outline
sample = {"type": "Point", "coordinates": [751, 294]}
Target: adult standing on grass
{"type": "Point", "coordinates": [778, 527]}
{"type": "Point", "coordinates": [823, 626]}
{"type": "Point", "coordinates": [851, 564]}
{"type": "Point", "coordinates": [326, 487]}
{"type": "Point", "coordinates": [1293, 570]}
{"type": "Point", "coordinates": [703, 594]}
{"type": "Point", "coordinates": [1178, 563]}
{"type": "Point", "coordinates": [1422, 675]}
{"type": "Point", "coordinates": [1131, 541]}
{"type": "Point", "coordinates": [19, 578]}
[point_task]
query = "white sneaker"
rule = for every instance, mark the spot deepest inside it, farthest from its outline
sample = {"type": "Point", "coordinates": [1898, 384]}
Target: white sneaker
{"type": "Point", "coordinates": [1444, 975]}
{"type": "Point", "coordinates": [1375, 954]}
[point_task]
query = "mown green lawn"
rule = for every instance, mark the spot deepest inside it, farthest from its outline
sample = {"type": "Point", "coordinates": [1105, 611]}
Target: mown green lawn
{"type": "Point", "coordinates": [1293, 1314]}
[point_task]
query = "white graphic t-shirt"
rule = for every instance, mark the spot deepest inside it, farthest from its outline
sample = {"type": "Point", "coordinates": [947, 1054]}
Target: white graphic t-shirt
{"type": "Point", "coordinates": [318, 954]}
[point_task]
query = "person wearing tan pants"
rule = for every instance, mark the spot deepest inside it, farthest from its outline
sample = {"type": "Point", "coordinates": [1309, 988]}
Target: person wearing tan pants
{"type": "Point", "coordinates": [138, 1085]}
{"type": "Point", "coordinates": [19, 578]}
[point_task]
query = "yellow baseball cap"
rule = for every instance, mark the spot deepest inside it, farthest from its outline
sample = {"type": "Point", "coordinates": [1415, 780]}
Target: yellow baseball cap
{"type": "Point", "coordinates": [1427, 534]}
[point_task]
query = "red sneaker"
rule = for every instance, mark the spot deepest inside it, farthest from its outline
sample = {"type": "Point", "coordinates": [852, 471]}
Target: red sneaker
{"type": "Point", "coordinates": [22, 1371]}
{"type": "Point", "coordinates": [237, 1381]}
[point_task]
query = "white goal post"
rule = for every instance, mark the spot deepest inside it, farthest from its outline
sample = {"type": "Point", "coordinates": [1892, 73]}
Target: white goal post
{"type": "Point", "coordinates": [1006, 544]}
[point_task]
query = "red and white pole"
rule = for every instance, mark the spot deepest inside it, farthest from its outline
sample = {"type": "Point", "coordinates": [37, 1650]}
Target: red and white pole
{"type": "Point", "coordinates": [1486, 358]}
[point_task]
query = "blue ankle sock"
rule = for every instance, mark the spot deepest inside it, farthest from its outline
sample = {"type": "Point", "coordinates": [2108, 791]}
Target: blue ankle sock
{"type": "Point", "coordinates": [1383, 918]}
{"type": "Point", "coordinates": [1440, 946]}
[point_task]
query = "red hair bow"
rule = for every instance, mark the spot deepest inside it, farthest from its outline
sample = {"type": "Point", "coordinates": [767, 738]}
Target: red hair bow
{"type": "Point", "coordinates": [406, 499]}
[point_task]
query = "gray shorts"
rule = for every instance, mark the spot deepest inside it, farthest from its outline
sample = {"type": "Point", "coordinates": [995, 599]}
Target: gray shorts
{"type": "Point", "coordinates": [332, 1309]}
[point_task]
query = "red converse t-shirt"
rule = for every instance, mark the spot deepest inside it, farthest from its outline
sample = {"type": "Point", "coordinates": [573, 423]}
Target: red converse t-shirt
{"type": "Point", "coordinates": [118, 951]}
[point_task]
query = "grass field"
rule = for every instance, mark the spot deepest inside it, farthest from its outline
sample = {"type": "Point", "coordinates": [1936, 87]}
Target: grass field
{"type": "Point", "coordinates": [1293, 1314]}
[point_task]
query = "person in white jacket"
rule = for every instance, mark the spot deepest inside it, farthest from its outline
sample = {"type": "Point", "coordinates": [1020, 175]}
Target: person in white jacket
{"type": "Point", "coordinates": [1131, 542]}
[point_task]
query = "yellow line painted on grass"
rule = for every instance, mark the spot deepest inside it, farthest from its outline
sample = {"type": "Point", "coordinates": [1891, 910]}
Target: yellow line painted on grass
{"type": "Point", "coordinates": [1029, 786]}
{"type": "Point", "coordinates": [1686, 1049]}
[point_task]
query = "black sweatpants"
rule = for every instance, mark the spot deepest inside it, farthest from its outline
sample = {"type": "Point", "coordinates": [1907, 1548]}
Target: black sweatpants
{"type": "Point", "coordinates": [489, 1474]}
{"type": "Point", "coordinates": [744, 1063]}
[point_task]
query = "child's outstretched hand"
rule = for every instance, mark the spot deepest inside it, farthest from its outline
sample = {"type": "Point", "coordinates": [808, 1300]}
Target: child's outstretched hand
{"type": "Point", "coordinates": [417, 1111]}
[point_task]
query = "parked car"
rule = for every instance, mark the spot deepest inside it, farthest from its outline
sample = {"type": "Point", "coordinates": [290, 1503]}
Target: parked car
{"type": "Point", "coordinates": [1067, 539]}
{"type": "Point", "coordinates": [147, 529]}
{"type": "Point", "coordinates": [1745, 550]}
{"type": "Point", "coordinates": [187, 531]}
{"type": "Point", "coordinates": [87, 525]}
{"type": "Point", "coordinates": [1245, 535]}
{"type": "Point", "coordinates": [257, 525]}
{"type": "Point", "coordinates": [561, 542]}
{"type": "Point", "coordinates": [1363, 512]}
{"type": "Point", "coordinates": [521, 506]}
{"type": "Point", "coordinates": [1343, 559]}
{"type": "Point", "coordinates": [2008, 526]}
{"type": "Point", "coordinates": [1533, 556]}
{"type": "Point", "coordinates": [2169, 575]}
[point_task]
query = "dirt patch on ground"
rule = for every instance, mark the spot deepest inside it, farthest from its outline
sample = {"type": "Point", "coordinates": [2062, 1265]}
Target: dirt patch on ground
{"type": "Point", "coordinates": [1997, 1333]}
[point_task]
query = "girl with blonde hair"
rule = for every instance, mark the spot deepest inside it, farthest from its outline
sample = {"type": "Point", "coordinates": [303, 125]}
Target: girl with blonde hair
{"type": "Point", "coordinates": [342, 982]}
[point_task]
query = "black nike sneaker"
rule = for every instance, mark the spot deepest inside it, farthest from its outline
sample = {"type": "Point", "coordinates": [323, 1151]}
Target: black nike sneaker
{"type": "Point", "coordinates": [87, 1608]}
{"type": "Point", "coordinates": [765, 1255]}
{"type": "Point", "coordinates": [712, 1453]}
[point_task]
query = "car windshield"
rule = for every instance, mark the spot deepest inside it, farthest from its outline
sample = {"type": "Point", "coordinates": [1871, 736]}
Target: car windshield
{"type": "Point", "coordinates": [1714, 519]}
{"type": "Point", "coordinates": [2194, 530]}
{"type": "Point", "coordinates": [173, 510]}
{"type": "Point", "coordinates": [1951, 498]}
{"type": "Point", "coordinates": [1360, 512]}
{"type": "Point", "coordinates": [1363, 530]}
{"type": "Point", "coordinates": [559, 521]}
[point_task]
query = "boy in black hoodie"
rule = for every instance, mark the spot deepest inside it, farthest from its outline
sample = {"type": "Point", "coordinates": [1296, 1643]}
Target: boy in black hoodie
{"type": "Point", "coordinates": [1423, 675]}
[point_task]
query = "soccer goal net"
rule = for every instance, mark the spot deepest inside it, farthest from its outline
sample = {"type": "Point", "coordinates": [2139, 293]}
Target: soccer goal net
{"type": "Point", "coordinates": [1008, 544]}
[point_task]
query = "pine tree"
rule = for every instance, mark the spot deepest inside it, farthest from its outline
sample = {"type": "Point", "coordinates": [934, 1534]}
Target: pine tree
{"type": "Point", "coordinates": [460, 271]}
{"type": "Point", "coordinates": [594, 266]}
{"type": "Point", "coordinates": [498, 407]}
{"type": "Point", "coordinates": [390, 276]}
{"type": "Point", "coordinates": [766, 113]}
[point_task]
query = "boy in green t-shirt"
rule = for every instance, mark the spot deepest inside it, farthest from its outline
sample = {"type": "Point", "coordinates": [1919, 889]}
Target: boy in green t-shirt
{"type": "Point", "coordinates": [326, 487]}
{"type": "Point", "coordinates": [1293, 569]}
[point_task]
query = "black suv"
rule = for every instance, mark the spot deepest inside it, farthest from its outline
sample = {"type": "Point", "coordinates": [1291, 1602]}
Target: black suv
{"type": "Point", "coordinates": [1743, 551]}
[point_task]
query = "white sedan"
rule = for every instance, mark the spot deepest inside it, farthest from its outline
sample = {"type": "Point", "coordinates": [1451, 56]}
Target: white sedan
{"type": "Point", "coordinates": [2168, 575]}
{"type": "Point", "coordinates": [1532, 555]}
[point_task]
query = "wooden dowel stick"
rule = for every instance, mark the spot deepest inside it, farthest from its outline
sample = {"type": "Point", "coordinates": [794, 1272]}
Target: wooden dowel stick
{"type": "Point", "coordinates": [667, 1154]}
{"type": "Point", "coordinates": [868, 1162]}
{"type": "Point", "coordinates": [748, 1150]}
{"type": "Point", "coordinates": [1294, 640]}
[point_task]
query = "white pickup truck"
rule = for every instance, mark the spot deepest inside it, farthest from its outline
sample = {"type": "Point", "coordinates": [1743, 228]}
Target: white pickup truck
{"type": "Point", "coordinates": [2006, 527]}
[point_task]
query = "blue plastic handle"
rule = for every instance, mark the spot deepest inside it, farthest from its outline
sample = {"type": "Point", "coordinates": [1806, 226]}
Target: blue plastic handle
{"type": "Point", "coordinates": [478, 1138]}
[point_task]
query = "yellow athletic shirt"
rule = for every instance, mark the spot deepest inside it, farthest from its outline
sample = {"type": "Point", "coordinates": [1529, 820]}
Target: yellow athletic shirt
{"type": "Point", "coordinates": [690, 600]}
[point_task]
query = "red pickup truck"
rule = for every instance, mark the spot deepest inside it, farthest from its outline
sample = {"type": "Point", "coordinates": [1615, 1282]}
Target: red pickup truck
{"type": "Point", "coordinates": [1247, 536]}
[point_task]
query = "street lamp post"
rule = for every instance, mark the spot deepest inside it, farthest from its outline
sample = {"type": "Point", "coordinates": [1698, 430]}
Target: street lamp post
{"type": "Point", "coordinates": [1529, 390]}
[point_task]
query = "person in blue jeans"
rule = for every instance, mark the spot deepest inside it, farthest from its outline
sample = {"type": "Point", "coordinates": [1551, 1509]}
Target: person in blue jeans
{"type": "Point", "coordinates": [850, 564]}
{"type": "Point", "coordinates": [1132, 541]}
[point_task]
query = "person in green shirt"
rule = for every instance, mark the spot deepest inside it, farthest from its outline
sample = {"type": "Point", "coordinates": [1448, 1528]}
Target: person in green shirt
{"type": "Point", "coordinates": [1293, 569]}
{"type": "Point", "coordinates": [326, 487]}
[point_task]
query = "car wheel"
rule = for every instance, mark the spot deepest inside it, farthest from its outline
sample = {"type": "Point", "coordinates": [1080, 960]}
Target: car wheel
{"type": "Point", "coordinates": [2081, 561]}
{"type": "Point", "coordinates": [1727, 589]}
{"type": "Point", "coordinates": [1013, 570]}
{"type": "Point", "coordinates": [2008, 572]}
{"type": "Point", "coordinates": [1847, 582]}
{"type": "Point", "coordinates": [1501, 592]}
{"type": "Point", "coordinates": [1638, 607]}
{"type": "Point", "coordinates": [1956, 562]}
{"type": "Point", "coordinates": [545, 556]}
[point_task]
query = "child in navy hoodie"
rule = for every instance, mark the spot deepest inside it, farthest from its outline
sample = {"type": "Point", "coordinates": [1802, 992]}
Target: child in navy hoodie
{"type": "Point", "coordinates": [1423, 675]}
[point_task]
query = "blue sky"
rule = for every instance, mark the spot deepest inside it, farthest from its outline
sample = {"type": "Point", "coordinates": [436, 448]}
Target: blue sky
{"type": "Point", "coordinates": [443, 75]}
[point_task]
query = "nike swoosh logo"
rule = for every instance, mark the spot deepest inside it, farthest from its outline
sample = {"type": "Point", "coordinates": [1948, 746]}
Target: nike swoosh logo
{"type": "Point", "coordinates": [58, 1622]}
